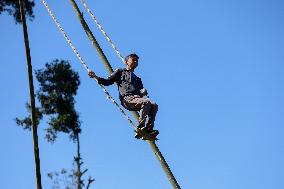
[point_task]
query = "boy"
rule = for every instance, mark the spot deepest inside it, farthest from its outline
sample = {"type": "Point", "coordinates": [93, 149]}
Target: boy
{"type": "Point", "coordinates": [132, 94]}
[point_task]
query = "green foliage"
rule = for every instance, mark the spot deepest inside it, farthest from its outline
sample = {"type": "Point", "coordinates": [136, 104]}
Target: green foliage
{"type": "Point", "coordinates": [63, 179]}
{"type": "Point", "coordinates": [58, 84]}
{"type": "Point", "coordinates": [26, 122]}
{"type": "Point", "coordinates": [68, 179]}
{"type": "Point", "coordinates": [12, 8]}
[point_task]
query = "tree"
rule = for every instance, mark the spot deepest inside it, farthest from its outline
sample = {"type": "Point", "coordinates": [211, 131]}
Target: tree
{"type": "Point", "coordinates": [12, 8]}
{"type": "Point", "coordinates": [58, 85]}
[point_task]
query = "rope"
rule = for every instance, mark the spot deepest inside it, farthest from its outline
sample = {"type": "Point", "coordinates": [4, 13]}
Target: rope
{"type": "Point", "coordinates": [84, 64]}
{"type": "Point", "coordinates": [103, 31]}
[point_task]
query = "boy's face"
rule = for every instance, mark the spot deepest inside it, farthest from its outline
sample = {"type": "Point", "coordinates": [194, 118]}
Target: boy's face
{"type": "Point", "coordinates": [132, 63]}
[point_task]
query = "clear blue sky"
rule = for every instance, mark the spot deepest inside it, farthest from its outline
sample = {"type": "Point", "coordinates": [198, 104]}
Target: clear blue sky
{"type": "Point", "coordinates": [216, 69]}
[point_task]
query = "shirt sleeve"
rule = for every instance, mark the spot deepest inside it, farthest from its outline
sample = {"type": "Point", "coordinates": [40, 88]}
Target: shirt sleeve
{"type": "Point", "coordinates": [110, 79]}
{"type": "Point", "coordinates": [140, 84]}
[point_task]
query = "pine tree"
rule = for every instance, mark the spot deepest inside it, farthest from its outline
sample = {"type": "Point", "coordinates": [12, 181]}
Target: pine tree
{"type": "Point", "coordinates": [58, 85]}
{"type": "Point", "coordinates": [12, 8]}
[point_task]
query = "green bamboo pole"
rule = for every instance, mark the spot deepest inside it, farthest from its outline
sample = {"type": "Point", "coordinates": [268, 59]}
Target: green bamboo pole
{"type": "Point", "coordinates": [32, 96]}
{"type": "Point", "coordinates": [153, 145]}
{"type": "Point", "coordinates": [91, 36]}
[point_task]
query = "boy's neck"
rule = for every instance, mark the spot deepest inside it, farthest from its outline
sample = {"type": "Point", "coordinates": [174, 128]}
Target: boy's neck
{"type": "Point", "coordinates": [131, 70]}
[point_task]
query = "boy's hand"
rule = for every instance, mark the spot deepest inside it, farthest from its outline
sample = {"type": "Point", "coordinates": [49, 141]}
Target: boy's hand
{"type": "Point", "coordinates": [92, 74]}
{"type": "Point", "coordinates": [144, 92]}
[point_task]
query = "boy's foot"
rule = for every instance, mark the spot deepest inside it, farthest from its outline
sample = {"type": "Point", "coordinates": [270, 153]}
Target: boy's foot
{"type": "Point", "coordinates": [151, 135]}
{"type": "Point", "coordinates": [147, 130]}
{"type": "Point", "coordinates": [140, 127]}
{"type": "Point", "coordinates": [154, 132]}
{"type": "Point", "coordinates": [138, 136]}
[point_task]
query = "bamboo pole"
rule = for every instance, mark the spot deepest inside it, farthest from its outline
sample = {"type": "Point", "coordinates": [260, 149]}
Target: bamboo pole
{"type": "Point", "coordinates": [91, 36]}
{"type": "Point", "coordinates": [32, 96]}
{"type": "Point", "coordinates": [153, 145]}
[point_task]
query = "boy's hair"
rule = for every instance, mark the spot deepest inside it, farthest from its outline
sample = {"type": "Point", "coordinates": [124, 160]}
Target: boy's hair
{"type": "Point", "coordinates": [131, 55]}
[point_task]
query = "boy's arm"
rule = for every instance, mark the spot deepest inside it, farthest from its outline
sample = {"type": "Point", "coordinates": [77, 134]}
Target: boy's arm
{"type": "Point", "coordinates": [108, 81]}
{"type": "Point", "coordinates": [143, 91]}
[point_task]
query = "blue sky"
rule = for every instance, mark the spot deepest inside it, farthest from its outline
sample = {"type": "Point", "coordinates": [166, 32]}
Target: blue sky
{"type": "Point", "coordinates": [214, 67]}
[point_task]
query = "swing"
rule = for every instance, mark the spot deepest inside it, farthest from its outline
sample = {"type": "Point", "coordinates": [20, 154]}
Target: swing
{"type": "Point", "coordinates": [139, 131]}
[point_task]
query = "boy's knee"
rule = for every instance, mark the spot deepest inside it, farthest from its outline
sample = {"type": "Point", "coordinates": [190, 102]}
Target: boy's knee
{"type": "Point", "coordinates": [147, 104]}
{"type": "Point", "coordinates": [155, 106]}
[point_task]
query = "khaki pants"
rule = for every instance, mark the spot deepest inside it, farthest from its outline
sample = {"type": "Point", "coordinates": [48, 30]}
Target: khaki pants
{"type": "Point", "coordinates": [147, 108]}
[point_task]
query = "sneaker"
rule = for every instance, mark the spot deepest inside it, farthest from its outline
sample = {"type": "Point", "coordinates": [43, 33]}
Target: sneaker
{"type": "Point", "coordinates": [146, 129]}
{"type": "Point", "coordinates": [137, 136]}
{"type": "Point", "coordinates": [138, 133]}
{"type": "Point", "coordinates": [154, 133]}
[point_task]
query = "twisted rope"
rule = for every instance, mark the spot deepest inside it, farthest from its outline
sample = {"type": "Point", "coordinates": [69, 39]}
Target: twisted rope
{"type": "Point", "coordinates": [103, 31]}
{"type": "Point", "coordinates": [84, 64]}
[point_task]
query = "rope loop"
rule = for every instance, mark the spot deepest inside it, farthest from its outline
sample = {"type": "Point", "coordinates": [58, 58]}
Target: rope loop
{"type": "Point", "coordinates": [103, 31]}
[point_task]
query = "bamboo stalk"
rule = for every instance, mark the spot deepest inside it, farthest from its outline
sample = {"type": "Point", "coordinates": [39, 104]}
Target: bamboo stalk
{"type": "Point", "coordinates": [32, 96]}
{"type": "Point", "coordinates": [91, 37]}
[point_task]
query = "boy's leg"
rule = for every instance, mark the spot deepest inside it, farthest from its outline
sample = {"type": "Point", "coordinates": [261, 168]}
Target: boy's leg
{"type": "Point", "coordinates": [137, 103]}
{"type": "Point", "coordinates": [152, 115]}
{"type": "Point", "coordinates": [148, 109]}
